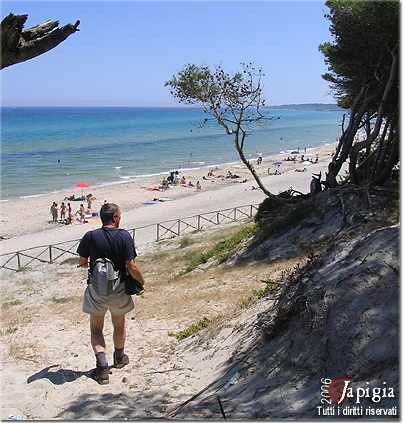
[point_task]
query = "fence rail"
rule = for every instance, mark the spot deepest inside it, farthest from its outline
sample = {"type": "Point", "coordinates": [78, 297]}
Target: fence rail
{"type": "Point", "coordinates": [167, 229]}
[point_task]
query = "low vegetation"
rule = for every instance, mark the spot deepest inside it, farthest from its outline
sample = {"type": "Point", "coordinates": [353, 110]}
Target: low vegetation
{"type": "Point", "coordinates": [71, 260]}
{"type": "Point", "coordinates": [271, 287]}
{"type": "Point", "coordinates": [185, 242]}
{"type": "Point", "coordinates": [64, 300]}
{"type": "Point", "coordinates": [191, 330]}
{"type": "Point", "coordinates": [7, 305]}
{"type": "Point", "coordinates": [223, 250]}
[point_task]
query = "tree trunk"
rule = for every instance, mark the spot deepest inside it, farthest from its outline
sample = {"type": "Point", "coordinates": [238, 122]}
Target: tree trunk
{"type": "Point", "coordinates": [249, 166]}
{"type": "Point", "coordinates": [19, 45]}
{"type": "Point", "coordinates": [346, 140]}
{"type": "Point", "coordinates": [355, 149]}
{"type": "Point", "coordinates": [392, 160]}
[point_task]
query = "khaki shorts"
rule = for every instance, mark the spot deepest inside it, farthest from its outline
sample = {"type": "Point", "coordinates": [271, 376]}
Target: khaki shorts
{"type": "Point", "coordinates": [118, 303]}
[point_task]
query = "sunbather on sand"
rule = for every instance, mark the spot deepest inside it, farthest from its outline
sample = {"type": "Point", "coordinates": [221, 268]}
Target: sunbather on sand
{"type": "Point", "coordinates": [69, 214]}
{"type": "Point", "coordinates": [164, 184]}
{"type": "Point", "coordinates": [82, 213]}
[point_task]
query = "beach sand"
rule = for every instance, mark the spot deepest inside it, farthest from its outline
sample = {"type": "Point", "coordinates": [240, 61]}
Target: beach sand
{"type": "Point", "coordinates": [45, 343]}
{"type": "Point", "coordinates": [45, 348]}
{"type": "Point", "coordinates": [25, 216]}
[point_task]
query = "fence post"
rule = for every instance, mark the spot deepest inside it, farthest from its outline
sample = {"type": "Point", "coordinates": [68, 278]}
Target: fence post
{"type": "Point", "coordinates": [218, 218]}
{"type": "Point", "coordinates": [50, 254]}
{"type": "Point", "coordinates": [134, 232]}
{"type": "Point", "coordinates": [158, 231]}
{"type": "Point", "coordinates": [251, 210]}
{"type": "Point", "coordinates": [198, 222]}
{"type": "Point", "coordinates": [235, 213]}
{"type": "Point", "coordinates": [18, 261]}
{"type": "Point", "coordinates": [179, 227]}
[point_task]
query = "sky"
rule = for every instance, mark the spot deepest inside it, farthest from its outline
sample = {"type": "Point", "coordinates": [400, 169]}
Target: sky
{"type": "Point", "coordinates": [125, 51]}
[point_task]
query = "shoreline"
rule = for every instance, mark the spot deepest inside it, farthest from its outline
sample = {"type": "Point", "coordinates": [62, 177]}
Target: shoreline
{"type": "Point", "coordinates": [134, 178]}
{"type": "Point", "coordinates": [31, 215]}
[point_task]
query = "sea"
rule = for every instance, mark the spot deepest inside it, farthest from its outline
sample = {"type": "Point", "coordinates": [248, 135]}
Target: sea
{"type": "Point", "coordinates": [47, 149]}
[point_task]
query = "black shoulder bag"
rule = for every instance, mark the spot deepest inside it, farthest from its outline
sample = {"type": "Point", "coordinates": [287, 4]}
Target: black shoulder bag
{"type": "Point", "coordinates": [132, 286]}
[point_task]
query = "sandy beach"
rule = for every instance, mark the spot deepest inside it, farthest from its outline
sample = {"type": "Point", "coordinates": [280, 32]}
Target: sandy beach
{"type": "Point", "coordinates": [45, 345]}
{"type": "Point", "coordinates": [48, 369]}
{"type": "Point", "coordinates": [247, 264]}
{"type": "Point", "coordinates": [27, 222]}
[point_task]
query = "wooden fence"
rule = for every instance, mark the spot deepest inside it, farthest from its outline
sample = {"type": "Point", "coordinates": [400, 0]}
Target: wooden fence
{"type": "Point", "coordinates": [19, 260]}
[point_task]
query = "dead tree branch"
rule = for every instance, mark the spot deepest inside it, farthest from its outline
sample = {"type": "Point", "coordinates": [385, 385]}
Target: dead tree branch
{"type": "Point", "coordinates": [19, 44]}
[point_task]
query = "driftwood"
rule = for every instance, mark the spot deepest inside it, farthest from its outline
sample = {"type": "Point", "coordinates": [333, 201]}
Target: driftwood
{"type": "Point", "coordinates": [19, 45]}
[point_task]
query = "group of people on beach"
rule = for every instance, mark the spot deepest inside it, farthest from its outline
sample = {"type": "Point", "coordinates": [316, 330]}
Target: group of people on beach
{"type": "Point", "coordinates": [64, 214]}
{"type": "Point", "coordinates": [174, 180]}
{"type": "Point", "coordinates": [276, 172]}
{"type": "Point", "coordinates": [302, 159]}
{"type": "Point", "coordinates": [54, 211]}
{"type": "Point", "coordinates": [229, 175]}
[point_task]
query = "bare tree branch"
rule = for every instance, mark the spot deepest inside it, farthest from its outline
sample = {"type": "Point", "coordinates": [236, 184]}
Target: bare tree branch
{"type": "Point", "coordinates": [19, 45]}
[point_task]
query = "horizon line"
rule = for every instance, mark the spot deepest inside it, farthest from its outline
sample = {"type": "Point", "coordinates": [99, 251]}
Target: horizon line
{"type": "Point", "coordinates": [155, 106]}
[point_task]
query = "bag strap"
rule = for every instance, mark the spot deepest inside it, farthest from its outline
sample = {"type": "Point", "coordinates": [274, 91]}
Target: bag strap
{"type": "Point", "coordinates": [106, 235]}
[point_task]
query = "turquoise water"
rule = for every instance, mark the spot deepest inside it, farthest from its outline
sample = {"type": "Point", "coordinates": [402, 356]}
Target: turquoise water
{"type": "Point", "coordinates": [47, 149]}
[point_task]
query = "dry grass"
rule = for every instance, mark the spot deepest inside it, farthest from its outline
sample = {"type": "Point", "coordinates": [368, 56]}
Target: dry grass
{"type": "Point", "coordinates": [8, 304]}
{"type": "Point", "coordinates": [71, 260]}
{"type": "Point", "coordinates": [25, 352]}
{"type": "Point", "coordinates": [8, 331]}
{"type": "Point", "coordinates": [64, 300]}
{"type": "Point", "coordinates": [212, 295]}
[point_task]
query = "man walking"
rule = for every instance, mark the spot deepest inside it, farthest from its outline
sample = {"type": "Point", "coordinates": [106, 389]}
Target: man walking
{"type": "Point", "coordinates": [117, 245]}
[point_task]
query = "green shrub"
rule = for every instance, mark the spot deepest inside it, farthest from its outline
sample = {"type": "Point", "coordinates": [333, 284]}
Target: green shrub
{"type": "Point", "coordinates": [269, 288]}
{"type": "Point", "coordinates": [223, 250]}
{"type": "Point", "coordinates": [191, 330]}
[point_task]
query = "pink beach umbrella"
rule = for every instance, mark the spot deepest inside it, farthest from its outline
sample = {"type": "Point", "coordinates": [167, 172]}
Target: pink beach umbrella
{"type": "Point", "coordinates": [81, 185]}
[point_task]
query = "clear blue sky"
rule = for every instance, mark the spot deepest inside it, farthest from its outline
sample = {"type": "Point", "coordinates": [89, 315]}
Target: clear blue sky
{"type": "Point", "coordinates": [126, 50]}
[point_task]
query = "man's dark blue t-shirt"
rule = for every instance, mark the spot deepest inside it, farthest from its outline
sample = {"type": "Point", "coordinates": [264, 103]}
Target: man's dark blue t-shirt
{"type": "Point", "coordinates": [95, 245]}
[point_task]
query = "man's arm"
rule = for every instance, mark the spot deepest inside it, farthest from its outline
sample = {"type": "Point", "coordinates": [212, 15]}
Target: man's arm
{"type": "Point", "coordinates": [135, 271]}
{"type": "Point", "coordinates": [83, 262]}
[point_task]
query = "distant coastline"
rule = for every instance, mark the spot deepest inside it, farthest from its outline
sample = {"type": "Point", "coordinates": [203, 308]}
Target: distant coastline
{"type": "Point", "coordinates": [315, 107]}
{"type": "Point", "coordinates": [295, 107]}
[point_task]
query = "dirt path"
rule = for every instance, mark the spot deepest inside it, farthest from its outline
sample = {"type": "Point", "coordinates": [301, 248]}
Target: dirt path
{"type": "Point", "coordinates": [46, 352]}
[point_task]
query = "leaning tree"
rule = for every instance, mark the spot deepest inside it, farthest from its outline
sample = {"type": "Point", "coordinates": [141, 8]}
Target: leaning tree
{"type": "Point", "coordinates": [19, 44]}
{"type": "Point", "coordinates": [363, 69]}
{"type": "Point", "coordinates": [233, 100]}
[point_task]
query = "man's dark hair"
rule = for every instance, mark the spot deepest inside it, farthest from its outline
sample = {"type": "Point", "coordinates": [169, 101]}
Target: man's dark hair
{"type": "Point", "coordinates": [107, 212]}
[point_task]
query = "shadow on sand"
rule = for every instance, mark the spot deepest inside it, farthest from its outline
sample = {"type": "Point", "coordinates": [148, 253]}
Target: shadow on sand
{"type": "Point", "coordinates": [60, 376]}
{"type": "Point", "coordinates": [150, 404]}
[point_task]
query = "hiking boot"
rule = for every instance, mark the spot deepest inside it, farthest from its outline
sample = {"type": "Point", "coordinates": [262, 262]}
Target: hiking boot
{"type": "Point", "coordinates": [101, 375]}
{"type": "Point", "coordinates": [120, 362]}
